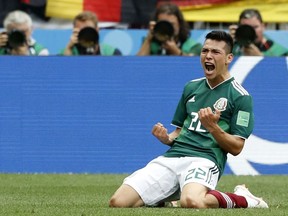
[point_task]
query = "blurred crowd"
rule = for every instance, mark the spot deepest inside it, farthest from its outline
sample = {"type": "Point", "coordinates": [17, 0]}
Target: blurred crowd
{"type": "Point", "coordinates": [168, 34]}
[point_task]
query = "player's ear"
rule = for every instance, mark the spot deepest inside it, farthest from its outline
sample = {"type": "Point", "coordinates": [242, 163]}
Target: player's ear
{"type": "Point", "coordinates": [229, 58]}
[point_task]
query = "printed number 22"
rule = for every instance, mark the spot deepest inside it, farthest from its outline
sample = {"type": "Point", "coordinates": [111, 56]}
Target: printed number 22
{"type": "Point", "coordinates": [194, 123]}
{"type": "Point", "coordinates": [199, 174]}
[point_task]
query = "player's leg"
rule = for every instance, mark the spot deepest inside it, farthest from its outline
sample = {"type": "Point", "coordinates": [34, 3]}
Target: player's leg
{"type": "Point", "coordinates": [197, 177]}
{"type": "Point", "coordinates": [252, 201]}
{"type": "Point", "coordinates": [148, 186]}
{"type": "Point", "coordinates": [195, 195]}
{"type": "Point", "coordinates": [198, 184]}
{"type": "Point", "coordinates": [126, 196]}
{"type": "Point", "coordinates": [241, 198]}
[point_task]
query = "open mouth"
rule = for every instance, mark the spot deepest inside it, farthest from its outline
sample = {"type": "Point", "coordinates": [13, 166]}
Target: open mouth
{"type": "Point", "coordinates": [209, 66]}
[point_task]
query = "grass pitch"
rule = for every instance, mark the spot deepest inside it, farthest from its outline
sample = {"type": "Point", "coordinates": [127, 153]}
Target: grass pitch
{"type": "Point", "coordinates": [88, 194]}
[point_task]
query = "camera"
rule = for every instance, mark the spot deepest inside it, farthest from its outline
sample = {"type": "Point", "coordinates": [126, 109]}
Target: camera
{"type": "Point", "coordinates": [16, 39]}
{"type": "Point", "coordinates": [88, 38]}
{"type": "Point", "coordinates": [163, 31]}
{"type": "Point", "coordinates": [245, 35]}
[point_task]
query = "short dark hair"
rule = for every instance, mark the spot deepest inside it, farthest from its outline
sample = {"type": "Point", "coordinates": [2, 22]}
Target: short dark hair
{"type": "Point", "coordinates": [249, 13]}
{"type": "Point", "coordinates": [173, 9]}
{"type": "Point", "coordinates": [221, 36]}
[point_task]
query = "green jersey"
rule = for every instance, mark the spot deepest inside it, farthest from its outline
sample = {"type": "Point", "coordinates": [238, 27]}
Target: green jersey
{"type": "Point", "coordinates": [236, 118]}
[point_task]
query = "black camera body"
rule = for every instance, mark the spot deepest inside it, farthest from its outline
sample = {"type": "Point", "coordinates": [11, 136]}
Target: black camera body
{"type": "Point", "coordinates": [88, 38]}
{"type": "Point", "coordinates": [163, 31]}
{"type": "Point", "coordinates": [245, 35]}
{"type": "Point", "coordinates": [16, 39]}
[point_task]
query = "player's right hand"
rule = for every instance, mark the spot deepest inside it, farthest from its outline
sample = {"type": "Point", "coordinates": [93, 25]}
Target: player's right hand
{"type": "Point", "coordinates": [161, 133]}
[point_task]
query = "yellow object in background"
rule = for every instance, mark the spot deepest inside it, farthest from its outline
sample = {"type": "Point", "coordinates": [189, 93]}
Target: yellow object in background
{"type": "Point", "coordinates": [66, 9]}
{"type": "Point", "coordinates": [271, 11]}
{"type": "Point", "coordinates": [205, 11]}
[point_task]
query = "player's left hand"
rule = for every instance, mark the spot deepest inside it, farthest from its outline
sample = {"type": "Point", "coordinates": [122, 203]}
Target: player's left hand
{"type": "Point", "coordinates": [209, 118]}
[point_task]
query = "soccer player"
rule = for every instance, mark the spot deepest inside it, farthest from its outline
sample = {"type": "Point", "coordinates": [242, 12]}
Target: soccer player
{"type": "Point", "coordinates": [213, 118]}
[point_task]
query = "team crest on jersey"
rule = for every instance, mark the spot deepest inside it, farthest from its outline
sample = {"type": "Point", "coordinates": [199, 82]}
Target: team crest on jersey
{"type": "Point", "coordinates": [221, 104]}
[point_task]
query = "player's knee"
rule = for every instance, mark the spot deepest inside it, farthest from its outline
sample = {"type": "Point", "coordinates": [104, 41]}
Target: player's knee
{"type": "Point", "coordinates": [116, 203]}
{"type": "Point", "coordinates": [125, 197]}
{"type": "Point", "coordinates": [191, 202]}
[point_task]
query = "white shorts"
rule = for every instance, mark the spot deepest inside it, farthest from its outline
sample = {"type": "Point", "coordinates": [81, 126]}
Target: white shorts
{"type": "Point", "coordinates": [164, 177]}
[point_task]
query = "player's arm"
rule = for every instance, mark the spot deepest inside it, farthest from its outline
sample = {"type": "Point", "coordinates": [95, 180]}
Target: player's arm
{"type": "Point", "coordinates": [161, 133]}
{"type": "Point", "coordinates": [227, 142]}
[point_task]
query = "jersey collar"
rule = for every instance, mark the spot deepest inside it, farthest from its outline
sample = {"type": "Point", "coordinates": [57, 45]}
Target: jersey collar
{"type": "Point", "coordinates": [230, 79]}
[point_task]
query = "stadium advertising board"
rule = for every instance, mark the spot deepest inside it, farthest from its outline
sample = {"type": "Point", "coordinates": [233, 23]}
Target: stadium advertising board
{"type": "Point", "coordinates": [94, 115]}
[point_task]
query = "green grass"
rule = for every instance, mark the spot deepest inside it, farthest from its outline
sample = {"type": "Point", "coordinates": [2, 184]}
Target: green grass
{"type": "Point", "coordinates": [88, 194]}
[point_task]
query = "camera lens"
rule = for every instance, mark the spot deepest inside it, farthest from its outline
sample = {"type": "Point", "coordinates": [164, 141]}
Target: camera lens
{"type": "Point", "coordinates": [245, 35]}
{"type": "Point", "coordinates": [163, 31]}
{"type": "Point", "coordinates": [88, 37]}
{"type": "Point", "coordinates": [16, 39]}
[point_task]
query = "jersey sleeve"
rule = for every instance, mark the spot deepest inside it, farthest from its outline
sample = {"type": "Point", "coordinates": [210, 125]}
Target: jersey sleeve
{"type": "Point", "coordinates": [242, 122]}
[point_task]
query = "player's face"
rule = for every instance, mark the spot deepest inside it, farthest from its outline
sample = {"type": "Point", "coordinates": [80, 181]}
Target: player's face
{"type": "Point", "coordinates": [257, 25]}
{"type": "Point", "coordinates": [215, 61]}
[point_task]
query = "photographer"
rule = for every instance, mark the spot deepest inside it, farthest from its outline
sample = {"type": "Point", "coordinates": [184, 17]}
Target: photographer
{"type": "Point", "coordinates": [85, 38]}
{"type": "Point", "coordinates": [262, 45]}
{"type": "Point", "coordinates": [177, 44]}
{"type": "Point", "coordinates": [16, 39]}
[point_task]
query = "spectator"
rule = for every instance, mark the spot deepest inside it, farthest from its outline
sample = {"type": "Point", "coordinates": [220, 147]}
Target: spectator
{"type": "Point", "coordinates": [88, 21]}
{"type": "Point", "coordinates": [179, 43]}
{"type": "Point", "coordinates": [17, 37]}
{"type": "Point", "coordinates": [262, 46]}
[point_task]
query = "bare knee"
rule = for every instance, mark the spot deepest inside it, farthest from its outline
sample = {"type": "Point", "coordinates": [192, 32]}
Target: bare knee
{"type": "Point", "coordinates": [122, 202]}
{"type": "Point", "coordinates": [125, 197]}
{"type": "Point", "coordinates": [192, 202]}
{"type": "Point", "coordinates": [117, 202]}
